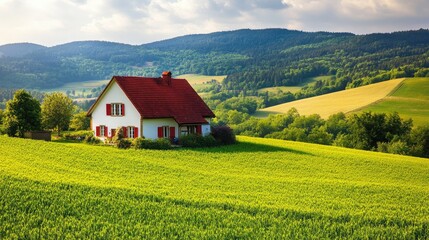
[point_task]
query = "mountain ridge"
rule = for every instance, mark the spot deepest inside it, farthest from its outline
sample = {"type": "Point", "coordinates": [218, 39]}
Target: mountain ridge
{"type": "Point", "coordinates": [252, 59]}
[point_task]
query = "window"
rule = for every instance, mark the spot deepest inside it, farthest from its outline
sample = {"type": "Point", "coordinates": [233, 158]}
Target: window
{"type": "Point", "coordinates": [166, 132]}
{"type": "Point", "coordinates": [130, 132]}
{"type": "Point", "coordinates": [101, 131]}
{"type": "Point", "coordinates": [115, 109]}
{"type": "Point", "coordinates": [190, 129]}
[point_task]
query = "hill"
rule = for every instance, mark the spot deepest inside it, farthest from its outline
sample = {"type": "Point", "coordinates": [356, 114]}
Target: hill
{"type": "Point", "coordinates": [19, 49]}
{"type": "Point", "coordinates": [259, 188]}
{"type": "Point", "coordinates": [251, 59]}
{"type": "Point", "coordinates": [343, 101]}
{"type": "Point", "coordinates": [410, 100]}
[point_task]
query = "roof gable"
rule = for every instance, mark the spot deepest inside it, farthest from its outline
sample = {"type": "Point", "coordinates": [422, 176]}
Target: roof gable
{"type": "Point", "coordinates": [162, 98]}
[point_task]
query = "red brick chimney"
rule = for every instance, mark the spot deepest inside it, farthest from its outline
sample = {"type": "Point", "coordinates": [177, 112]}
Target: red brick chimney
{"type": "Point", "coordinates": [166, 76]}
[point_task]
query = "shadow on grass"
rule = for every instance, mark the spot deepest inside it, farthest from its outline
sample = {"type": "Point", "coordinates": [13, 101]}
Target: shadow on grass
{"type": "Point", "coordinates": [248, 147]}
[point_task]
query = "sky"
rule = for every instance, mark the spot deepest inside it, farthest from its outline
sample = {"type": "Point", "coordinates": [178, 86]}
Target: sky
{"type": "Point", "coordinates": [54, 22]}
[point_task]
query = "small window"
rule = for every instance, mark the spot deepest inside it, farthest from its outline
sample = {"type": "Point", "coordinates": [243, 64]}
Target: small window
{"type": "Point", "coordinates": [102, 131]}
{"type": "Point", "coordinates": [166, 131]}
{"type": "Point", "coordinates": [130, 132]}
{"type": "Point", "coordinates": [118, 109]}
{"type": "Point", "coordinates": [191, 129]}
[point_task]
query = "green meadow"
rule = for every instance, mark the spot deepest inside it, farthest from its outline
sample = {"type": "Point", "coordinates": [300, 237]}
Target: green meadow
{"type": "Point", "coordinates": [410, 100]}
{"type": "Point", "coordinates": [258, 188]}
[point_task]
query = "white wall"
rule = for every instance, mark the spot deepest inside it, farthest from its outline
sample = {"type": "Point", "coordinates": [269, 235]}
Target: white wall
{"type": "Point", "coordinates": [115, 95]}
{"type": "Point", "coordinates": [150, 126]}
{"type": "Point", "coordinates": [206, 130]}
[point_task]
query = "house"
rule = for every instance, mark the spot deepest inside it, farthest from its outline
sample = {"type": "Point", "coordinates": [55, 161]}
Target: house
{"type": "Point", "coordinates": [162, 107]}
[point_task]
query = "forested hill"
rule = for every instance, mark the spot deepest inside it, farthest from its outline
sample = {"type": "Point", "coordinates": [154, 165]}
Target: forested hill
{"type": "Point", "coordinates": [252, 59]}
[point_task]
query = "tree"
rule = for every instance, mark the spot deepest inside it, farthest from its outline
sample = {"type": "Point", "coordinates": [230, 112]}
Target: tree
{"type": "Point", "coordinates": [420, 141]}
{"type": "Point", "coordinates": [22, 114]}
{"type": "Point", "coordinates": [80, 121]}
{"type": "Point", "coordinates": [57, 111]}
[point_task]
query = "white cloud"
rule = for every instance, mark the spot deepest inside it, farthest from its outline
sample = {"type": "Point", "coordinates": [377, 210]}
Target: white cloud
{"type": "Point", "coordinates": [52, 22]}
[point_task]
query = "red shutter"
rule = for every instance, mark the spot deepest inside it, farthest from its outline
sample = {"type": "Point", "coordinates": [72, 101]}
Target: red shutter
{"type": "Point", "coordinates": [106, 133]}
{"type": "Point", "coordinates": [124, 129]}
{"type": "Point", "coordinates": [172, 132]}
{"type": "Point", "coordinates": [97, 131]}
{"type": "Point", "coordinates": [108, 109]}
{"type": "Point", "coordinates": [160, 133]}
{"type": "Point", "coordinates": [123, 109]}
{"type": "Point", "coordinates": [199, 130]}
{"type": "Point", "coordinates": [136, 132]}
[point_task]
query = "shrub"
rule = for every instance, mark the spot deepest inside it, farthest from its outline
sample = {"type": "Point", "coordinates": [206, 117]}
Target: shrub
{"type": "Point", "coordinates": [195, 141]}
{"type": "Point", "coordinates": [160, 143]}
{"type": "Point", "coordinates": [123, 143]}
{"type": "Point", "coordinates": [91, 139]}
{"type": "Point", "coordinates": [224, 135]}
{"type": "Point", "coordinates": [77, 136]}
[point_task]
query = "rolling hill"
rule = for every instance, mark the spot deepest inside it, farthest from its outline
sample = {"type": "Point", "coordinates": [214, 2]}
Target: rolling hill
{"type": "Point", "coordinates": [251, 59]}
{"type": "Point", "coordinates": [259, 188]}
{"type": "Point", "coordinates": [409, 97]}
{"type": "Point", "coordinates": [344, 101]}
{"type": "Point", "coordinates": [410, 100]}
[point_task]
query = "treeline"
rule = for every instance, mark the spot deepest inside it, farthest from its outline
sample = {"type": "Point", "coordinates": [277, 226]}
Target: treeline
{"type": "Point", "coordinates": [252, 59]}
{"type": "Point", "coordinates": [368, 131]}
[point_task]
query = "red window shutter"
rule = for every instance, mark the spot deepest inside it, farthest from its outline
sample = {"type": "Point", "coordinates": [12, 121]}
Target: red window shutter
{"type": "Point", "coordinates": [199, 130]}
{"type": "Point", "coordinates": [123, 109]}
{"type": "Point", "coordinates": [97, 131]}
{"type": "Point", "coordinates": [172, 132]}
{"type": "Point", "coordinates": [108, 109]}
{"type": "Point", "coordinates": [136, 132]}
{"type": "Point", "coordinates": [124, 129]}
{"type": "Point", "coordinates": [106, 132]}
{"type": "Point", "coordinates": [160, 132]}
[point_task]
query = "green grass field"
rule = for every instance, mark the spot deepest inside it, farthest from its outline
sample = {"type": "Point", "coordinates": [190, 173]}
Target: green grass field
{"type": "Point", "coordinates": [259, 188]}
{"type": "Point", "coordinates": [410, 100]}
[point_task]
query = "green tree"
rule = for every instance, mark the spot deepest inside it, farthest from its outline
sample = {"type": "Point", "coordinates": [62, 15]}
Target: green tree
{"type": "Point", "coordinates": [420, 141]}
{"type": "Point", "coordinates": [22, 114]}
{"type": "Point", "coordinates": [79, 121]}
{"type": "Point", "coordinates": [57, 111]}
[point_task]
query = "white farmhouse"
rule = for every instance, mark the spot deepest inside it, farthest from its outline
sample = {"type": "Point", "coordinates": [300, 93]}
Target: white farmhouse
{"type": "Point", "coordinates": [153, 108]}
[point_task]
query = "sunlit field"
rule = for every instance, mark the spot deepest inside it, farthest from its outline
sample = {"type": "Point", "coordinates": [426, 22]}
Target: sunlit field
{"type": "Point", "coordinates": [258, 188]}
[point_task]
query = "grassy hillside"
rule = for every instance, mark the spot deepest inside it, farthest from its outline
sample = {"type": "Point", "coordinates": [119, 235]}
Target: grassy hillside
{"type": "Point", "coordinates": [199, 81]}
{"type": "Point", "coordinates": [294, 89]}
{"type": "Point", "coordinates": [410, 100]}
{"type": "Point", "coordinates": [343, 101]}
{"type": "Point", "coordinates": [259, 188]}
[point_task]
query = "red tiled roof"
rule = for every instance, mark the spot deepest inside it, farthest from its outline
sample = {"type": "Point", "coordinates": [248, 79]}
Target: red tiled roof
{"type": "Point", "coordinates": [164, 98]}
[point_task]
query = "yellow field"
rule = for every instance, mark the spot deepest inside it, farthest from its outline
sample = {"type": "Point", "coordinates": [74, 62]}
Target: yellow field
{"type": "Point", "coordinates": [195, 79]}
{"type": "Point", "coordinates": [343, 101]}
{"type": "Point", "coordinates": [292, 89]}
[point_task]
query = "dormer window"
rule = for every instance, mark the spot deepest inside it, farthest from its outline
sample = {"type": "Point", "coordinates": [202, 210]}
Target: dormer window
{"type": "Point", "coordinates": [115, 109]}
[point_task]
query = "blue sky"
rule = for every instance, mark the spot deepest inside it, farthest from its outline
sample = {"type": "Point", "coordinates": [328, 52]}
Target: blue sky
{"type": "Point", "coordinates": [53, 22]}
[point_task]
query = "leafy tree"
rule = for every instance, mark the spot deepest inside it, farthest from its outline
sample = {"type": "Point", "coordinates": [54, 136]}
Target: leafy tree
{"type": "Point", "coordinates": [420, 140]}
{"type": "Point", "coordinates": [80, 121]}
{"type": "Point", "coordinates": [22, 114]}
{"type": "Point", "coordinates": [57, 111]}
{"type": "Point", "coordinates": [337, 124]}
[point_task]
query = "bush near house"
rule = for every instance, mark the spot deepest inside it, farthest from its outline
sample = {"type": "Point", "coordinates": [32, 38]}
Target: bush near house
{"type": "Point", "coordinates": [161, 143]}
{"type": "Point", "coordinates": [223, 135]}
{"type": "Point", "coordinates": [197, 141]}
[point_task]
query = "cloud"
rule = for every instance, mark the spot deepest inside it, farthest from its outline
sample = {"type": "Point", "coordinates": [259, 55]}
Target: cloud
{"type": "Point", "coordinates": [52, 22]}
